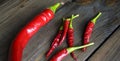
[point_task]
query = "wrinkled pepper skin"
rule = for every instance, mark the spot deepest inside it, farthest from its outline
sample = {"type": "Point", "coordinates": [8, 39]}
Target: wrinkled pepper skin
{"type": "Point", "coordinates": [54, 43]}
{"type": "Point", "coordinates": [60, 55]}
{"type": "Point", "coordinates": [88, 33]}
{"type": "Point", "coordinates": [70, 37]}
{"type": "Point", "coordinates": [71, 40]}
{"type": "Point", "coordinates": [22, 38]}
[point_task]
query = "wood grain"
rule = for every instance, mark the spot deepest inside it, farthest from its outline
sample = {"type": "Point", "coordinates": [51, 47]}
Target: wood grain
{"type": "Point", "coordinates": [110, 50]}
{"type": "Point", "coordinates": [85, 2]}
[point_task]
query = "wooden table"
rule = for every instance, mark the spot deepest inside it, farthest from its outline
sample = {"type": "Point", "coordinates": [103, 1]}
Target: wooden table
{"type": "Point", "coordinates": [15, 14]}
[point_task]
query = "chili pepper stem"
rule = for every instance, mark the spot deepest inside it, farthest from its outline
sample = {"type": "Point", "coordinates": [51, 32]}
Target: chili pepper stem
{"type": "Point", "coordinates": [79, 47]}
{"type": "Point", "coordinates": [95, 19]}
{"type": "Point", "coordinates": [54, 7]}
{"type": "Point", "coordinates": [61, 28]}
{"type": "Point", "coordinates": [73, 17]}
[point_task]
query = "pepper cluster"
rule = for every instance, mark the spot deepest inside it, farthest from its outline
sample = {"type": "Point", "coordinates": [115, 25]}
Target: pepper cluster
{"type": "Point", "coordinates": [66, 29]}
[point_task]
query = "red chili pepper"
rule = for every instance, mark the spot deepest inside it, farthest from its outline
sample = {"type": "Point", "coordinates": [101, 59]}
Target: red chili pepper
{"type": "Point", "coordinates": [71, 35]}
{"type": "Point", "coordinates": [55, 42]}
{"type": "Point", "coordinates": [63, 53]}
{"type": "Point", "coordinates": [89, 30]}
{"type": "Point", "coordinates": [65, 29]}
{"type": "Point", "coordinates": [28, 31]}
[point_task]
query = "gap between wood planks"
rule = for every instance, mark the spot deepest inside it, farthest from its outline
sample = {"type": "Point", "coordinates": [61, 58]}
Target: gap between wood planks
{"type": "Point", "coordinates": [102, 43]}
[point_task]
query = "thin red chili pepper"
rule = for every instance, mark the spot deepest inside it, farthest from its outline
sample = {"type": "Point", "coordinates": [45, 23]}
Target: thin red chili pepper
{"type": "Point", "coordinates": [55, 42]}
{"type": "Point", "coordinates": [89, 30]}
{"type": "Point", "coordinates": [71, 36]}
{"type": "Point", "coordinates": [21, 40]}
{"type": "Point", "coordinates": [65, 29]}
{"type": "Point", "coordinates": [63, 53]}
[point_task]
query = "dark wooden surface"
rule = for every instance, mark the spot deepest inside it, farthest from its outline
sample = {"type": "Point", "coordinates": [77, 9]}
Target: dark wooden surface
{"type": "Point", "coordinates": [14, 14]}
{"type": "Point", "coordinates": [110, 50]}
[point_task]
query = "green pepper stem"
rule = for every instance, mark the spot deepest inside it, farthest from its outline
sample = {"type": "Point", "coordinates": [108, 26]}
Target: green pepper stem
{"type": "Point", "coordinates": [95, 19]}
{"type": "Point", "coordinates": [72, 18]}
{"type": "Point", "coordinates": [54, 7]}
{"type": "Point", "coordinates": [71, 49]}
{"type": "Point", "coordinates": [61, 27]}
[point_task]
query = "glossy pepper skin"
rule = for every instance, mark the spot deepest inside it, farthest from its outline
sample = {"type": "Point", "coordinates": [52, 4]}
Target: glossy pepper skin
{"type": "Point", "coordinates": [63, 53]}
{"type": "Point", "coordinates": [89, 29]}
{"type": "Point", "coordinates": [71, 36]}
{"type": "Point", "coordinates": [55, 42]}
{"type": "Point", "coordinates": [22, 38]}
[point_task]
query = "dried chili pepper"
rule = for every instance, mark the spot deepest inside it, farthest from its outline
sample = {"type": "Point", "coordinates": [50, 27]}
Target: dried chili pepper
{"type": "Point", "coordinates": [63, 53]}
{"type": "Point", "coordinates": [55, 41]}
{"type": "Point", "coordinates": [71, 35]}
{"type": "Point", "coordinates": [22, 38]}
{"type": "Point", "coordinates": [89, 30]}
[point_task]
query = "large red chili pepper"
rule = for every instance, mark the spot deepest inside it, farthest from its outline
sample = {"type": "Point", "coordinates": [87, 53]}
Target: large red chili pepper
{"type": "Point", "coordinates": [63, 53]}
{"type": "Point", "coordinates": [21, 40]}
{"type": "Point", "coordinates": [55, 42]}
{"type": "Point", "coordinates": [71, 35]}
{"type": "Point", "coordinates": [89, 30]}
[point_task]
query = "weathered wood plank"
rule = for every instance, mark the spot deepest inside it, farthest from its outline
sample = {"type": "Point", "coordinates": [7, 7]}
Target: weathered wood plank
{"type": "Point", "coordinates": [110, 50]}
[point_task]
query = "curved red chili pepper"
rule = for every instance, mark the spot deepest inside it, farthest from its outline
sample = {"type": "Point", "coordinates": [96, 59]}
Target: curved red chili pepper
{"type": "Point", "coordinates": [71, 36]}
{"type": "Point", "coordinates": [21, 40]}
{"type": "Point", "coordinates": [65, 29]}
{"type": "Point", "coordinates": [89, 30]}
{"type": "Point", "coordinates": [55, 42]}
{"type": "Point", "coordinates": [63, 53]}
